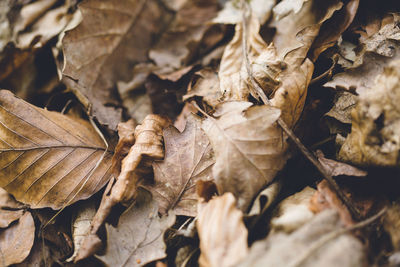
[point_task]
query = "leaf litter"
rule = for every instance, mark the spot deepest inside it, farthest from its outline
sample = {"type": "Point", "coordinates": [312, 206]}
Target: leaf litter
{"type": "Point", "coordinates": [163, 133]}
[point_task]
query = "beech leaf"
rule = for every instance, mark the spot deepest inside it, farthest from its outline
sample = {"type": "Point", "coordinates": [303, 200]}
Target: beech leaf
{"type": "Point", "coordinates": [48, 159]}
{"type": "Point", "coordinates": [249, 148]}
{"type": "Point", "coordinates": [188, 158]}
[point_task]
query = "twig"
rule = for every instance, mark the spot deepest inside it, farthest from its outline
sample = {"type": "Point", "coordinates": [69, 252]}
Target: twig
{"type": "Point", "coordinates": [332, 235]}
{"type": "Point", "coordinates": [352, 209]}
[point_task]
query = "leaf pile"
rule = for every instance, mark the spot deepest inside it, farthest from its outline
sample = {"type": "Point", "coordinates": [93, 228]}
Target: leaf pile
{"type": "Point", "coordinates": [199, 133]}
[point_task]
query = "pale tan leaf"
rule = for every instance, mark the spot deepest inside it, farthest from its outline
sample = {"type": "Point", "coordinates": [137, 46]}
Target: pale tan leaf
{"type": "Point", "coordinates": [16, 241]}
{"type": "Point", "coordinates": [188, 158]}
{"type": "Point", "coordinates": [222, 234]}
{"type": "Point", "coordinates": [81, 225]}
{"type": "Point", "coordinates": [249, 148]}
{"type": "Point", "coordinates": [293, 212]}
{"type": "Point", "coordinates": [232, 13]}
{"type": "Point", "coordinates": [126, 134]}
{"type": "Point", "coordinates": [336, 168]}
{"type": "Point", "coordinates": [103, 48]}
{"type": "Point", "coordinates": [48, 159]}
{"type": "Point", "coordinates": [285, 7]}
{"type": "Point", "coordinates": [235, 83]}
{"type": "Point", "coordinates": [139, 236]}
{"type": "Point", "coordinates": [375, 137]}
{"type": "Point", "coordinates": [265, 198]}
{"type": "Point", "coordinates": [10, 210]}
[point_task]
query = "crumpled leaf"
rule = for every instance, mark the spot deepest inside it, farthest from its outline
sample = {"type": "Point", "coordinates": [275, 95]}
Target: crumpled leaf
{"type": "Point", "coordinates": [10, 210]}
{"type": "Point", "coordinates": [282, 249]}
{"type": "Point", "coordinates": [16, 241]}
{"type": "Point", "coordinates": [285, 7]}
{"type": "Point", "coordinates": [249, 148]}
{"type": "Point", "coordinates": [136, 166]}
{"type": "Point", "coordinates": [48, 159]}
{"type": "Point", "coordinates": [265, 198]}
{"type": "Point", "coordinates": [232, 13]}
{"type": "Point", "coordinates": [138, 238]}
{"type": "Point", "coordinates": [235, 83]}
{"type": "Point", "coordinates": [188, 158]}
{"type": "Point", "coordinates": [102, 49]}
{"type": "Point", "coordinates": [181, 42]}
{"type": "Point", "coordinates": [126, 134]}
{"type": "Point", "coordinates": [222, 234]}
{"type": "Point", "coordinates": [375, 138]}
{"type": "Point", "coordinates": [81, 225]}
{"type": "Point", "coordinates": [293, 212]}
{"type": "Point", "coordinates": [375, 53]}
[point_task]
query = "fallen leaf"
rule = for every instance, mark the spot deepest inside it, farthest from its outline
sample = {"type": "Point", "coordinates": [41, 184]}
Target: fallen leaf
{"type": "Point", "coordinates": [206, 87]}
{"type": "Point", "coordinates": [103, 48]}
{"type": "Point", "coordinates": [285, 7]}
{"type": "Point", "coordinates": [235, 83]}
{"type": "Point", "coordinates": [13, 248]}
{"type": "Point", "coordinates": [249, 148]}
{"type": "Point", "coordinates": [375, 52]}
{"type": "Point", "coordinates": [81, 225]}
{"type": "Point", "coordinates": [136, 166]}
{"type": "Point", "coordinates": [10, 210]}
{"type": "Point", "coordinates": [336, 168]}
{"type": "Point", "coordinates": [265, 198]}
{"type": "Point", "coordinates": [181, 41]}
{"type": "Point", "coordinates": [375, 138]}
{"type": "Point", "coordinates": [48, 159]}
{"type": "Point", "coordinates": [343, 104]}
{"type": "Point", "coordinates": [232, 13]}
{"type": "Point", "coordinates": [391, 224]}
{"type": "Point", "coordinates": [293, 212]}
{"type": "Point", "coordinates": [222, 234]}
{"type": "Point", "coordinates": [126, 134]}
{"type": "Point", "coordinates": [138, 238]}
{"type": "Point", "coordinates": [282, 249]}
{"type": "Point", "coordinates": [188, 158]}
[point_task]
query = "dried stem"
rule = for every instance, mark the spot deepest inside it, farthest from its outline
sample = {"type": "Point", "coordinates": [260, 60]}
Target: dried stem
{"type": "Point", "coordinates": [352, 209]}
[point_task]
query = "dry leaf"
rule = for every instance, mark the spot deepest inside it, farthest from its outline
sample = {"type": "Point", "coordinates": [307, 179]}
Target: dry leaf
{"type": "Point", "coordinates": [293, 212]}
{"type": "Point", "coordinates": [336, 168]}
{"type": "Point", "coordinates": [232, 13]}
{"type": "Point", "coordinates": [375, 137]}
{"type": "Point", "coordinates": [126, 134]}
{"type": "Point", "coordinates": [188, 158]}
{"type": "Point", "coordinates": [248, 146]}
{"type": "Point", "coordinates": [103, 48]}
{"type": "Point", "coordinates": [48, 159]}
{"type": "Point", "coordinates": [136, 167]}
{"type": "Point", "coordinates": [81, 225]}
{"type": "Point", "coordinates": [180, 43]}
{"type": "Point", "coordinates": [235, 83]}
{"type": "Point", "coordinates": [10, 210]}
{"type": "Point", "coordinates": [265, 198]}
{"type": "Point", "coordinates": [343, 104]}
{"type": "Point", "coordinates": [391, 224]}
{"type": "Point", "coordinates": [16, 241]}
{"type": "Point", "coordinates": [139, 236]}
{"type": "Point", "coordinates": [285, 7]}
{"type": "Point", "coordinates": [373, 54]}
{"type": "Point", "coordinates": [292, 250]}
{"type": "Point", "coordinates": [222, 234]}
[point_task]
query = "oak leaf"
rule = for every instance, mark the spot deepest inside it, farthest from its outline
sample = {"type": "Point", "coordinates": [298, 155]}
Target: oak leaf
{"type": "Point", "coordinates": [188, 158]}
{"type": "Point", "coordinates": [222, 233]}
{"type": "Point", "coordinates": [139, 236]}
{"type": "Point", "coordinates": [48, 159]}
{"type": "Point", "coordinates": [249, 148]}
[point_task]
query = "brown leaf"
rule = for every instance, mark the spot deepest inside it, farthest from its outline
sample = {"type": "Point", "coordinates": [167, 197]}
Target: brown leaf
{"type": "Point", "coordinates": [374, 137]}
{"type": "Point", "coordinates": [126, 134]}
{"type": "Point", "coordinates": [10, 210]}
{"type": "Point", "coordinates": [235, 83]}
{"type": "Point", "coordinates": [136, 167]}
{"type": "Point", "coordinates": [139, 236]}
{"type": "Point", "coordinates": [48, 159]}
{"type": "Point", "coordinates": [180, 43]}
{"type": "Point", "coordinates": [103, 48]}
{"type": "Point", "coordinates": [188, 158]}
{"type": "Point", "coordinates": [222, 234]}
{"type": "Point", "coordinates": [373, 55]}
{"type": "Point", "coordinates": [16, 241]}
{"type": "Point", "coordinates": [249, 148]}
{"type": "Point", "coordinates": [336, 168]}
{"type": "Point", "coordinates": [391, 224]}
